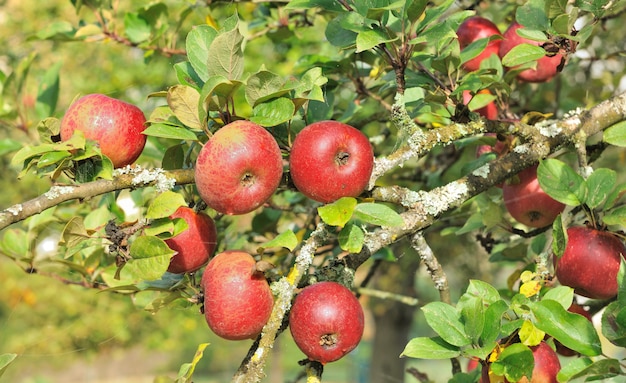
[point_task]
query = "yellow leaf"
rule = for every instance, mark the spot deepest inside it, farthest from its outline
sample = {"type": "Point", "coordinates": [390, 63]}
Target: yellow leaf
{"type": "Point", "coordinates": [530, 288]}
{"type": "Point", "coordinates": [530, 335]}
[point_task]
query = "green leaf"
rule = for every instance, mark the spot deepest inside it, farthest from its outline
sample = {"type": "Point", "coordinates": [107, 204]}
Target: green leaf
{"type": "Point", "coordinates": [185, 373]}
{"type": "Point", "coordinates": [150, 258]}
{"type": "Point", "coordinates": [286, 239]}
{"type": "Point", "coordinates": [165, 204]}
{"type": "Point", "coordinates": [74, 232]}
{"type": "Point", "coordinates": [136, 27]}
{"type": "Point", "coordinates": [226, 55]}
{"type": "Point", "coordinates": [483, 290]}
{"type": "Point", "coordinates": [329, 5]}
{"type": "Point", "coordinates": [370, 38]}
{"type": "Point", "coordinates": [559, 236]}
{"type": "Point", "coordinates": [51, 158]}
{"type": "Point", "coordinates": [532, 15]}
{"type": "Point", "coordinates": [273, 113]}
{"type": "Point", "coordinates": [599, 185]}
{"type": "Point", "coordinates": [615, 134]}
{"type": "Point", "coordinates": [8, 145]}
{"type": "Point", "coordinates": [170, 131]}
{"type": "Point", "coordinates": [430, 348]}
{"type": "Point", "coordinates": [445, 320]}
{"type": "Point", "coordinates": [561, 182]}
{"type": "Point", "coordinates": [48, 92]}
{"type": "Point", "coordinates": [351, 238]}
{"type": "Point", "coordinates": [480, 100]}
{"type": "Point", "coordinates": [378, 214]}
{"type": "Point", "coordinates": [493, 321]}
{"type": "Point", "coordinates": [263, 84]}
{"type": "Point", "coordinates": [515, 362]}
{"type": "Point", "coordinates": [183, 100]}
{"type": "Point", "coordinates": [584, 367]}
{"type": "Point", "coordinates": [414, 9]}
{"type": "Point", "coordinates": [339, 212]}
{"type": "Point", "coordinates": [522, 54]}
{"type": "Point", "coordinates": [473, 317]}
{"type": "Point", "coordinates": [15, 243]}
{"type": "Point", "coordinates": [615, 216]}
{"type": "Point", "coordinates": [5, 361]}
{"type": "Point", "coordinates": [337, 35]}
{"type": "Point", "coordinates": [564, 295]}
{"type": "Point", "coordinates": [573, 331]}
{"type": "Point", "coordinates": [197, 44]}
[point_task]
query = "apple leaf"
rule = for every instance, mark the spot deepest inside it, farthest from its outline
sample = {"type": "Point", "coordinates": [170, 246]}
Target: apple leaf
{"type": "Point", "coordinates": [515, 362]}
{"type": "Point", "coordinates": [378, 214]}
{"type": "Point", "coordinates": [562, 294]}
{"type": "Point", "coordinates": [370, 38]}
{"type": "Point", "coordinates": [150, 258]}
{"type": "Point", "coordinates": [186, 75]}
{"type": "Point", "coordinates": [339, 212]}
{"type": "Point", "coordinates": [170, 131]}
{"type": "Point", "coordinates": [329, 5]}
{"type": "Point", "coordinates": [616, 216]}
{"type": "Point", "coordinates": [74, 232]}
{"type": "Point", "coordinates": [599, 185]}
{"type": "Point", "coordinates": [215, 93]}
{"type": "Point", "coordinates": [585, 367]}
{"type": "Point", "coordinates": [136, 28]}
{"type": "Point", "coordinates": [530, 335]}
{"type": "Point", "coordinates": [559, 236]}
{"type": "Point", "coordinates": [225, 55]}
{"type": "Point", "coordinates": [572, 330]}
{"type": "Point", "coordinates": [5, 361]}
{"type": "Point", "coordinates": [337, 35]}
{"type": "Point", "coordinates": [183, 100]}
{"type": "Point", "coordinates": [561, 182]}
{"type": "Point", "coordinates": [351, 238]}
{"type": "Point", "coordinates": [185, 373]}
{"type": "Point", "coordinates": [262, 84]}
{"type": "Point", "coordinates": [493, 321]}
{"type": "Point", "coordinates": [165, 204]}
{"type": "Point", "coordinates": [273, 113]}
{"type": "Point", "coordinates": [532, 15]}
{"type": "Point", "coordinates": [197, 44]}
{"type": "Point", "coordinates": [430, 348]}
{"type": "Point", "coordinates": [286, 239]}
{"type": "Point", "coordinates": [445, 320]}
{"type": "Point", "coordinates": [48, 92]}
{"type": "Point", "coordinates": [615, 134]}
{"type": "Point", "coordinates": [614, 324]}
{"type": "Point", "coordinates": [473, 318]}
{"type": "Point", "coordinates": [522, 54]}
{"type": "Point", "coordinates": [14, 243]}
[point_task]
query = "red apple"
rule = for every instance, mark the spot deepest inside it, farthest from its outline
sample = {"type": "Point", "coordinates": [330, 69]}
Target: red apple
{"type": "Point", "coordinates": [547, 66]}
{"type": "Point", "coordinates": [237, 298]}
{"type": "Point", "coordinates": [116, 125]}
{"type": "Point", "coordinates": [590, 262]}
{"type": "Point", "coordinates": [195, 245]}
{"type": "Point", "coordinates": [330, 160]}
{"type": "Point", "coordinates": [239, 168]}
{"type": "Point", "coordinates": [326, 321]}
{"type": "Point", "coordinates": [490, 111]}
{"type": "Point", "coordinates": [527, 202]}
{"type": "Point", "coordinates": [475, 28]}
{"type": "Point", "coordinates": [577, 309]}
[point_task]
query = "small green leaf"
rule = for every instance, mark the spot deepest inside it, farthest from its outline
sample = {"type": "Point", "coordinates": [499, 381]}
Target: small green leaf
{"type": "Point", "coordinates": [378, 214]}
{"type": "Point", "coordinates": [351, 238]}
{"type": "Point", "coordinates": [226, 55]}
{"type": "Point", "coordinates": [562, 294]}
{"type": "Point", "coordinates": [532, 15]}
{"type": "Point", "coordinates": [150, 258]}
{"type": "Point", "coordinates": [5, 361]}
{"type": "Point", "coordinates": [615, 216]}
{"type": "Point", "coordinates": [445, 320]}
{"type": "Point", "coordinates": [165, 204]}
{"type": "Point", "coordinates": [286, 239]}
{"type": "Point", "coordinates": [170, 131]}
{"type": "Point", "coordinates": [480, 100]}
{"type": "Point", "coordinates": [183, 100]}
{"type": "Point", "coordinates": [273, 113]}
{"type": "Point", "coordinates": [197, 44]}
{"type": "Point", "coordinates": [74, 232]}
{"type": "Point", "coordinates": [51, 158]}
{"type": "Point", "coordinates": [614, 324]}
{"type": "Point", "coordinates": [592, 371]}
{"type": "Point", "coordinates": [561, 182]}
{"type": "Point", "coordinates": [573, 331]}
{"type": "Point", "coordinates": [514, 362]}
{"type": "Point", "coordinates": [599, 185]}
{"type": "Point", "coordinates": [473, 317]}
{"type": "Point", "coordinates": [493, 321]}
{"type": "Point", "coordinates": [522, 54]}
{"type": "Point", "coordinates": [559, 236]}
{"type": "Point", "coordinates": [136, 27]}
{"type": "Point", "coordinates": [530, 335]}
{"type": "Point", "coordinates": [15, 243]}
{"type": "Point", "coordinates": [186, 370]}
{"type": "Point", "coordinates": [370, 38]}
{"type": "Point", "coordinates": [616, 134]}
{"type": "Point", "coordinates": [430, 348]}
{"type": "Point", "coordinates": [263, 84]}
{"type": "Point", "coordinates": [48, 92]}
{"type": "Point", "coordinates": [339, 212]}
{"type": "Point", "coordinates": [8, 145]}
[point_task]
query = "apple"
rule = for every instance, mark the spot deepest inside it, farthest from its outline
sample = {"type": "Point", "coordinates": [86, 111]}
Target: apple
{"type": "Point", "coordinates": [195, 245]}
{"type": "Point", "coordinates": [326, 321]}
{"type": "Point", "coordinates": [547, 66]}
{"type": "Point", "coordinates": [237, 298]}
{"type": "Point", "coordinates": [527, 202]}
{"type": "Point", "coordinates": [547, 366]}
{"type": "Point", "coordinates": [330, 160]}
{"type": "Point", "coordinates": [239, 168]}
{"type": "Point", "coordinates": [490, 111]}
{"type": "Point", "coordinates": [590, 262]}
{"type": "Point", "coordinates": [577, 309]}
{"type": "Point", "coordinates": [475, 28]}
{"type": "Point", "coordinates": [115, 125]}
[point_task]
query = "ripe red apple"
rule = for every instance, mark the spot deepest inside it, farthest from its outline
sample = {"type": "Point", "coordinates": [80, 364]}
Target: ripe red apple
{"type": "Point", "coordinates": [527, 202]}
{"type": "Point", "coordinates": [239, 168]}
{"type": "Point", "coordinates": [195, 245]}
{"type": "Point", "coordinates": [237, 298]}
{"type": "Point", "coordinates": [547, 66]}
{"type": "Point", "coordinates": [330, 160]}
{"type": "Point", "coordinates": [116, 125]}
{"type": "Point", "coordinates": [326, 321]}
{"type": "Point", "coordinates": [490, 111]}
{"type": "Point", "coordinates": [475, 28]}
{"type": "Point", "coordinates": [590, 262]}
{"type": "Point", "coordinates": [547, 366]}
{"type": "Point", "coordinates": [578, 309]}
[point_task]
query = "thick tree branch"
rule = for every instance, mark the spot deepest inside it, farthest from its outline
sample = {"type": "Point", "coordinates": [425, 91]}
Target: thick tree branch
{"type": "Point", "coordinates": [125, 178]}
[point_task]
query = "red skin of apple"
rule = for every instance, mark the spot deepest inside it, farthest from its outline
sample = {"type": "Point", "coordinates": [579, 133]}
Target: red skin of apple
{"type": "Point", "coordinates": [326, 321]}
{"type": "Point", "coordinates": [547, 366]}
{"type": "Point", "coordinates": [237, 299]}
{"type": "Point", "coordinates": [547, 67]}
{"type": "Point", "coordinates": [475, 28]}
{"type": "Point", "coordinates": [116, 125]}
{"type": "Point", "coordinates": [590, 262]}
{"type": "Point", "coordinates": [577, 309]}
{"type": "Point", "coordinates": [527, 202]}
{"type": "Point", "coordinates": [490, 111]}
{"type": "Point", "coordinates": [239, 168]}
{"type": "Point", "coordinates": [330, 160]}
{"type": "Point", "coordinates": [195, 245]}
